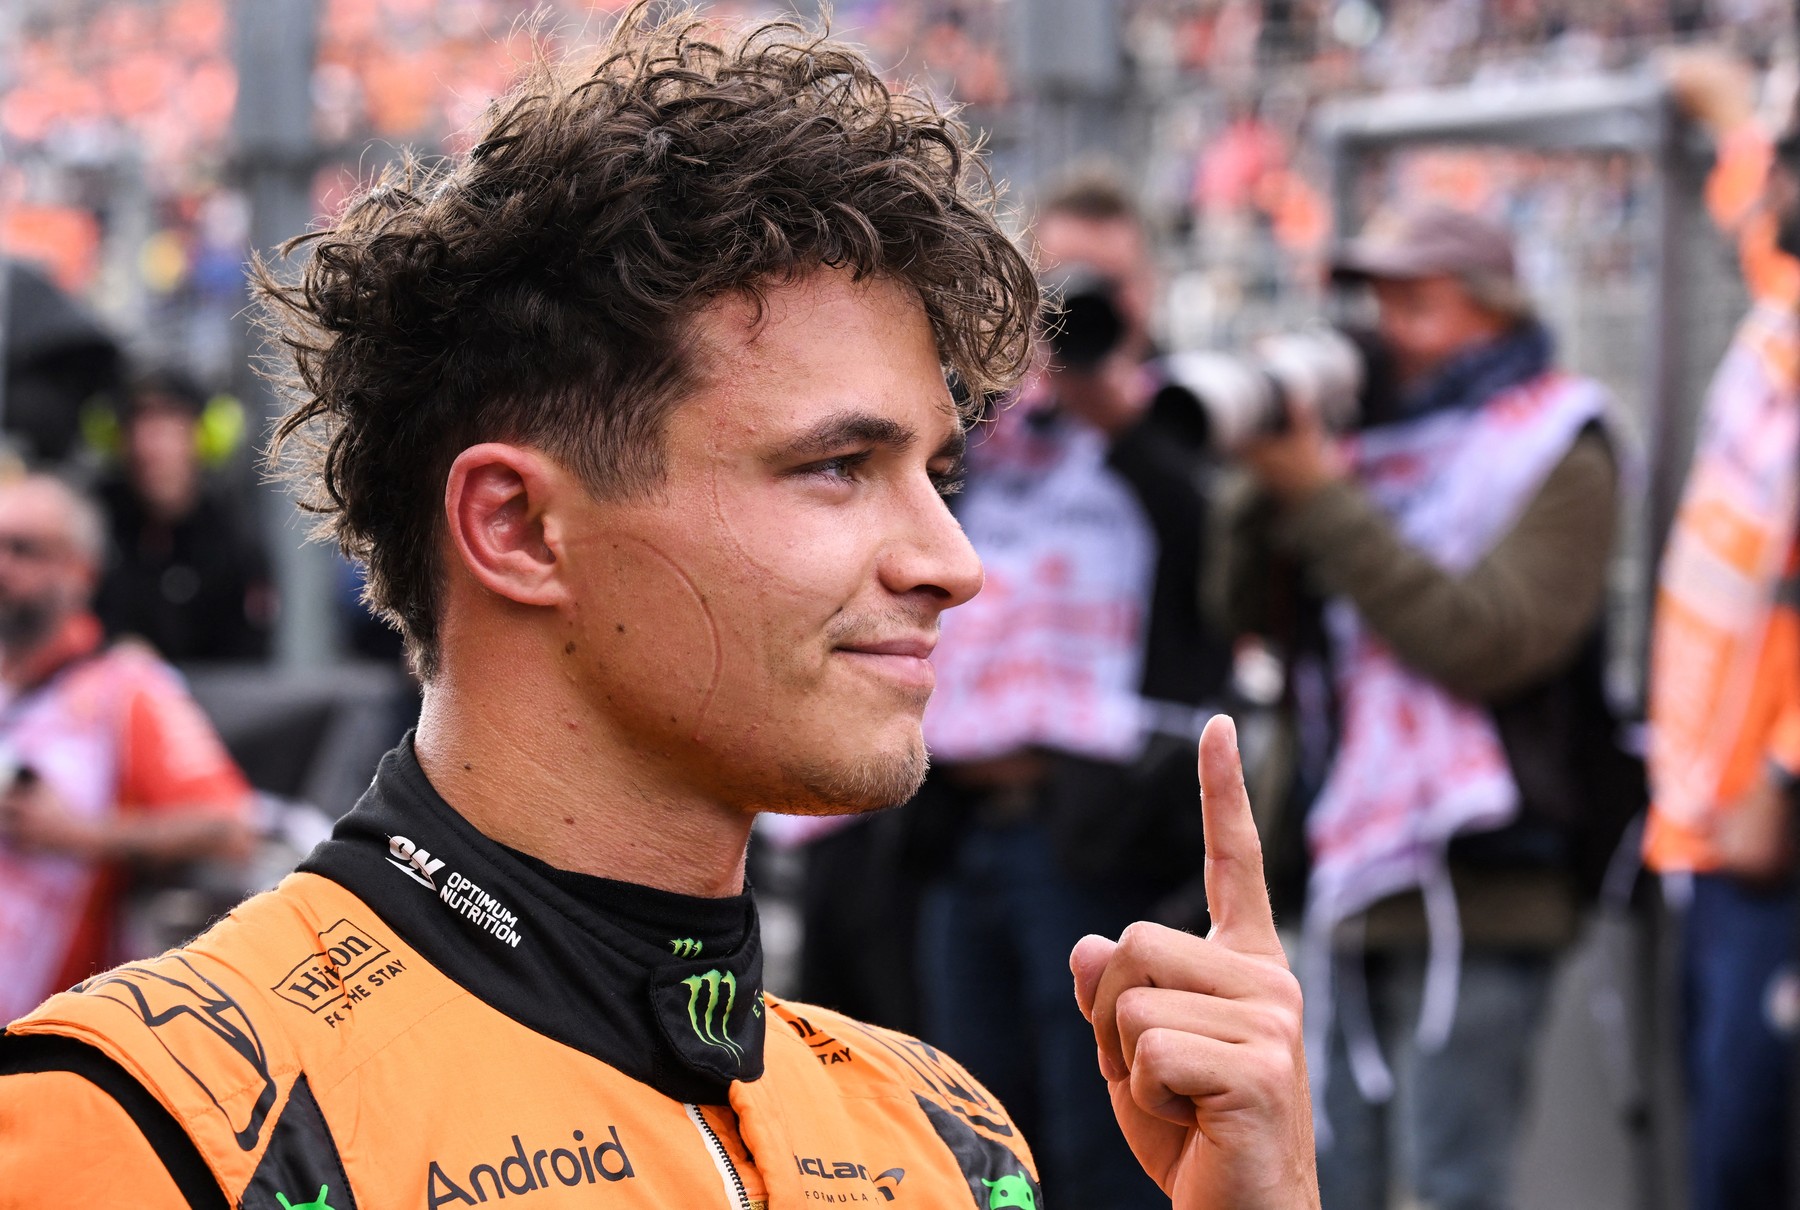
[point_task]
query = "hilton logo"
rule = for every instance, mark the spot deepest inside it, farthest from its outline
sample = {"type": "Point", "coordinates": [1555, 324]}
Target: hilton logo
{"type": "Point", "coordinates": [317, 981]}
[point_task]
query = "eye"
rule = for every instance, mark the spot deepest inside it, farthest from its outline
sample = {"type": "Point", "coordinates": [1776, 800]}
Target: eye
{"type": "Point", "coordinates": [844, 467]}
{"type": "Point", "coordinates": [949, 481]}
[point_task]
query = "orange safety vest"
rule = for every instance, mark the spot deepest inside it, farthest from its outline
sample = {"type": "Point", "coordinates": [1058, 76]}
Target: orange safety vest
{"type": "Point", "coordinates": [1725, 650]}
{"type": "Point", "coordinates": [421, 1018]}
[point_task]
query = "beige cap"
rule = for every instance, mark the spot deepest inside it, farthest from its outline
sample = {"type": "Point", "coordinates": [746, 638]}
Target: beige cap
{"type": "Point", "coordinates": [1409, 243]}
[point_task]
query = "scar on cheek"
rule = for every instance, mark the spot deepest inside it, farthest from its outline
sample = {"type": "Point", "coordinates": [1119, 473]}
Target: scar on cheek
{"type": "Point", "coordinates": [712, 634]}
{"type": "Point", "coordinates": [723, 514]}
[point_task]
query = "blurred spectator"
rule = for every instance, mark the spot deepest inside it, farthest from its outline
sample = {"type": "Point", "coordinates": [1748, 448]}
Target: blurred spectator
{"type": "Point", "coordinates": [1447, 572]}
{"type": "Point", "coordinates": [1069, 693]}
{"type": "Point", "coordinates": [1725, 683]}
{"type": "Point", "coordinates": [106, 761]}
{"type": "Point", "coordinates": [57, 356]}
{"type": "Point", "coordinates": [1236, 162]}
{"type": "Point", "coordinates": [186, 575]}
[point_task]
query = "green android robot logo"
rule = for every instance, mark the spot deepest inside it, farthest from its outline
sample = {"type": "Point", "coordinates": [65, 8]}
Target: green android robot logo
{"type": "Point", "coordinates": [318, 1203]}
{"type": "Point", "coordinates": [1010, 1191]}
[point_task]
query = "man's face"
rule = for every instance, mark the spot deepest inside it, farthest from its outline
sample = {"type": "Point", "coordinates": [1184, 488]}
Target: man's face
{"type": "Point", "coordinates": [1114, 247]}
{"type": "Point", "coordinates": [757, 628]}
{"type": "Point", "coordinates": [44, 576]}
{"type": "Point", "coordinates": [1429, 321]}
{"type": "Point", "coordinates": [161, 458]}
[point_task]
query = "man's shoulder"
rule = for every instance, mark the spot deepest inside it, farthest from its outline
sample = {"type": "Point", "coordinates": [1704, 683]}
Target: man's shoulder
{"type": "Point", "coordinates": [235, 1034]}
{"type": "Point", "coordinates": [874, 1061]}
{"type": "Point", "coordinates": [891, 1060]}
{"type": "Point", "coordinates": [120, 672]}
{"type": "Point", "coordinates": [224, 1022]}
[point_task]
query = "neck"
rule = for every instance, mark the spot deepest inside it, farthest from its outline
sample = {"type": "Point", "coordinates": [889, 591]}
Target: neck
{"type": "Point", "coordinates": [1484, 347]}
{"type": "Point", "coordinates": [528, 764]}
{"type": "Point", "coordinates": [71, 637]}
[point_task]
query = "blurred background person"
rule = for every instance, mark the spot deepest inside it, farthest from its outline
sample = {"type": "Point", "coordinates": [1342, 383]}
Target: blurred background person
{"type": "Point", "coordinates": [187, 573]}
{"type": "Point", "coordinates": [1448, 567]}
{"type": "Point", "coordinates": [107, 763]}
{"type": "Point", "coordinates": [1068, 693]}
{"type": "Point", "coordinates": [1725, 680]}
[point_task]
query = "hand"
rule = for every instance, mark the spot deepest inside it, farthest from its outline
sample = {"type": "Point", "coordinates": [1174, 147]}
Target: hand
{"type": "Point", "coordinates": [34, 819]}
{"type": "Point", "coordinates": [1755, 836]}
{"type": "Point", "coordinates": [1711, 85]}
{"type": "Point", "coordinates": [1296, 463]}
{"type": "Point", "coordinates": [1111, 396]}
{"type": "Point", "coordinates": [1200, 1039]}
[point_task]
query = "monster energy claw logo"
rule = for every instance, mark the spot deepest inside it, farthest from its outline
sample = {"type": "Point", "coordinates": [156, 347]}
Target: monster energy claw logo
{"type": "Point", "coordinates": [685, 947]}
{"type": "Point", "coordinates": [711, 1023]}
{"type": "Point", "coordinates": [318, 1203]}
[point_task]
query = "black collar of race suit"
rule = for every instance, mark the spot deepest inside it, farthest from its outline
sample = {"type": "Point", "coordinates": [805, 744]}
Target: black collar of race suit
{"type": "Point", "coordinates": [571, 957]}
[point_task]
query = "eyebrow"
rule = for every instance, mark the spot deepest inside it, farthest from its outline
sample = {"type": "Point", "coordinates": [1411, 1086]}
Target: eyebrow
{"type": "Point", "coordinates": [861, 428]}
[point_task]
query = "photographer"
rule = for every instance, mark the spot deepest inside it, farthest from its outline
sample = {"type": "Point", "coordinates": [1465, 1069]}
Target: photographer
{"type": "Point", "coordinates": [1438, 584]}
{"type": "Point", "coordinates": [1067, 694]}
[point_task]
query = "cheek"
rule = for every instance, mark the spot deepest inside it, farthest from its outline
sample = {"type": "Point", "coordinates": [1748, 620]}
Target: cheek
{"type": "Point", "coordinates": [1418, 336]}
{"type": "Point", "coordinates": [688, 638]}
{"type": "Point", "coordinates": [644, 635]}
{"type": "Point", "coordinates": [800, 559]}
{"type": "Point", "coordinates": [799, 554]}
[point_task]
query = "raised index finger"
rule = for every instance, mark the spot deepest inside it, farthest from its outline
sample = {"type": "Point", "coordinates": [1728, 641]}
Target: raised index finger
{"type": "Point", "coordinates": [1236, 894]}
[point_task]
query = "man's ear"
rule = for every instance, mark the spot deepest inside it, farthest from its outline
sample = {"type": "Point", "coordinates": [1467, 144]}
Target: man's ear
{"type": "Point", "coordinates": [496, 501]}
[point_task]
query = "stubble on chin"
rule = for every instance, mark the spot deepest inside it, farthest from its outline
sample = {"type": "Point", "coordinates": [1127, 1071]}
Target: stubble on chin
{"type": "Point", "coordinates": [871, 783]}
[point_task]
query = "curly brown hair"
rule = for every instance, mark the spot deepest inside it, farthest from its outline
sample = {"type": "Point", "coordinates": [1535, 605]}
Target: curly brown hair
{"type": "Point", "coordinates": [539, 289]}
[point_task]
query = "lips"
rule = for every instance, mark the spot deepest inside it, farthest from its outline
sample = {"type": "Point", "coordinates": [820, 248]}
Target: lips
{"type": "Point", "coordinates": [902, 660]}
{"type": "Point", "coordinates": [918, 648]}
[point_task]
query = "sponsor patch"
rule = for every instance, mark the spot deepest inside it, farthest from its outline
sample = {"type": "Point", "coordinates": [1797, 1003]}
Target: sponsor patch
{"type": "Point", "coordinates": [860, 1186]}
{"type": "Point", "coordinates": [825, 1048]}
{"type": "Point", "coordinates": [326, 976]}
{"type": "Point", "coordinates": [525, 1170]}
{"type": "Point", "coordinates": [455, 891]}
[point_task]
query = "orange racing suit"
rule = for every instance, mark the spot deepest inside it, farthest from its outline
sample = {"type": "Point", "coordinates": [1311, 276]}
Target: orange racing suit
{"type": "Point", "coordinates": [422, 1018]}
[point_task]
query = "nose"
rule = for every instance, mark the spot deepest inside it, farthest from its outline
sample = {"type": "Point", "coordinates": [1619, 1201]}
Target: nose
{"type": "Point", "coordinates": [932, 558]}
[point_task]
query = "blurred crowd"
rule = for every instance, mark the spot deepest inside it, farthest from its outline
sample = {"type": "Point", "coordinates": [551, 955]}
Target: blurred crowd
{"type": "Point", "coordinates": [119, 174]}
{"type": "Point", "coordinates": [1363, 468]}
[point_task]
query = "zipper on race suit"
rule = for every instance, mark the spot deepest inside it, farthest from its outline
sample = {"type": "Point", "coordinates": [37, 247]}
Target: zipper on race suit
{"type": "Point", "coordinates": [734, 1184]}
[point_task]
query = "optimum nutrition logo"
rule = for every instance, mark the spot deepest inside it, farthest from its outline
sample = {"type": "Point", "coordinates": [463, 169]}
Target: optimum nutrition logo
{"type": "Point", "coordinates": [416, 863]}
{"type": "Point", "coordinates": [460, 895]}
{"type": "Point", "coordinates": [710, 1000]}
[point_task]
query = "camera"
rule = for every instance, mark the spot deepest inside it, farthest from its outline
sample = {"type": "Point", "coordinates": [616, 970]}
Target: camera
{"type": "Point", "coordinates": [1316, 370]}
{"type": "Point", "coordinates": [1337, 374]}
{"type": "Point", "coordinates": [1086, 322]}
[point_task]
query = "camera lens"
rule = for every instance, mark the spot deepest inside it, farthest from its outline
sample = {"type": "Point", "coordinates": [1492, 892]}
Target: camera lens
{"type": "Point", "coordinates": [1086, 324]}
